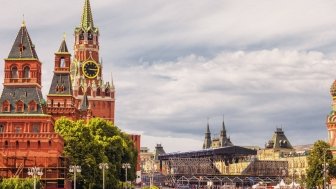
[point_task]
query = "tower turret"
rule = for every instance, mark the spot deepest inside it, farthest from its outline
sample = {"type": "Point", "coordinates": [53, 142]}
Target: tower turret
{"type": "Point", "coordinates": [224, 140]}
{"type": "Point", "coordinates": [207, 139]}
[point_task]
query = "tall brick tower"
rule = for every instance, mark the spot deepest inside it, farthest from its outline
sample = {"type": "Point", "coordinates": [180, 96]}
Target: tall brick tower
{"type": "Point", "coordinates": [27, 136]}
{"type": "Point", "coordinates": [86, 69]}
{"type": "Point", "coordinates": [60, 100]}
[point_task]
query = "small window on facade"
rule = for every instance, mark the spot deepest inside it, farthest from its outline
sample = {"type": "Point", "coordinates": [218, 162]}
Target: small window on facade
{"type": "Point", "coordinates": [17, 144]}
{"type": "Point", "coordinates": [39, 144]}
{"type": "Point", "coordinates": [18, 130]}
{"type": "Point", "coordinates": [49, 143]}
{"type": "Point", "coordinates": [62, 63]}
{"type": "Point", "coordinates": [28, 144]}
{"type": "Point", "coordinates": [6, 106]}
{"type": "Point", "coordinates": [32, 106]}
{"type": "Point", "coordinates": [107, 92]}
{"type": "Point", "coordinates": [98, 92]}
{"type": "Point", "coordinates": [81, 36]}
{"type": "Point", "coordinates": [90, 36]}
{"type": "Point", "coordinates": [36, 128]}
{"type": "Point", "coordinates": [14, 73]}
{"type": "Point", "coordinates": [2, 129]}
{"type": "Point", "coordinates": [88, 91]}
{"type": "Point", "coordinates": [6, 144]}
{"type": "Point", "coordinates": [19, 106]}
{"type": "Point", "coordinates": [26, 72]}
{"type": "Point", "coordinates": [80, 91]}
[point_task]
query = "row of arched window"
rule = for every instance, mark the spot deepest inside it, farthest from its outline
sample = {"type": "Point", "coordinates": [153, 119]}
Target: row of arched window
{"type": "Point", "coordinates": [15, 73]}
{"type": "Point", "coordinates": [99, 92]}
{"type": "Point", "coordinates": [17, 144]}
{"type": "Point", "coordinates": [19, 106]}
{"type": "Point", "coordinates": [89, 36]}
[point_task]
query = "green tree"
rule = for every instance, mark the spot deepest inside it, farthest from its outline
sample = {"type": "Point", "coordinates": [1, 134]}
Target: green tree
{"type": "Point", "coordinates": [319, 154]}
{"type": "Point", "coordinates": [88, 144]}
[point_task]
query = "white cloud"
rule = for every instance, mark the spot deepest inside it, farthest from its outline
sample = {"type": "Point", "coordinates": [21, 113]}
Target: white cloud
{"type": "Point", "coordinates": [257, 91]}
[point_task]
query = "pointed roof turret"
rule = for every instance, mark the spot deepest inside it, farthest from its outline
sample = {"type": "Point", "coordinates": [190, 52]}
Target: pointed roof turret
{"type": "Point", "coordinates": [23, 46]}
{"type": "Point", "coordinates": [87, 19]}
{"type": "Point", "coordinates": [85, 103]}
{"type": "Point", "coordinates": [63, 48]}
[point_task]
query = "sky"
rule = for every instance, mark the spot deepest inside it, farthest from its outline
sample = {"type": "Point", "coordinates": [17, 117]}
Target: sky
{"type": "Point", "coordinates": [177, 65]}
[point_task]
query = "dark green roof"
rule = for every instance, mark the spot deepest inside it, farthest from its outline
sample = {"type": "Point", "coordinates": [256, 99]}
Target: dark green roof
{"type": "Point", "coordinates": [61, 84]}
{"type": "Point", "coordinates": [23, 46]}
{"type": "Point", "coordinates": [63, 48]}
{"type": "Point", "coordinates": [24, 94]}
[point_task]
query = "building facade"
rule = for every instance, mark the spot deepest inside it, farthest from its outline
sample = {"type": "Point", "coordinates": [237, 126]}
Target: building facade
{"type": "Point", "coordinates": [27, 131]}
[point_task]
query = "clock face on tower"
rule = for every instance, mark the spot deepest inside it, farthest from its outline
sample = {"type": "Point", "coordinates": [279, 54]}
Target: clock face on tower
{"type": "Point", "coordinates": [90, 69]}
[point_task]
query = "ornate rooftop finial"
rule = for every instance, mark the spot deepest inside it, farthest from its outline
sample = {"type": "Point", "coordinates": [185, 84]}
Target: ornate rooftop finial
{"type": "Point", "coordinates": [87, 20]}
{"type": "Point", "coordinates": [23, 21]}
{"type": "Point", "coordinates": [63, 48]}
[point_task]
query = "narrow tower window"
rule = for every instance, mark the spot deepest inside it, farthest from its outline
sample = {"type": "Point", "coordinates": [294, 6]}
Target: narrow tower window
{"type": "Point", "coordinates": [90, 36]}
{"type": "Point", "coordinates": [19, 106]}
{"type": "Point", "coordinates": [62, 63]}
{"type": "Point", "coordinates": [26, 72]}
{"type": "Point", "coordinates": [6, 106]}
{"type": "Point", "coordinates": [98, 92]}
{"type": "Point", "coordinates": [14, 73]}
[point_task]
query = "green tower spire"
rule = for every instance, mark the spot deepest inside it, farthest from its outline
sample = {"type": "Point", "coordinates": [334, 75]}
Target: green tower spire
{"type": "Point", "coordinates": [87, 20]}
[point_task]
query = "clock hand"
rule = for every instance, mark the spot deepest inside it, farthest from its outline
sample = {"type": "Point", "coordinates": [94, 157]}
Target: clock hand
{"type": "Point", "coordinates": [92, 69]}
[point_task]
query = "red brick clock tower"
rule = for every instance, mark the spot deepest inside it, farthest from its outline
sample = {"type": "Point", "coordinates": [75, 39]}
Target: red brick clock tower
{"type": "Point", "coordinates": [86, 70]}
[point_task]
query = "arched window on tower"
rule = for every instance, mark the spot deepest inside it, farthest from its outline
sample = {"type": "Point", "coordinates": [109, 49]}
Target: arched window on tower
{"type": "Point", "coordinates": [98, 92]}
{"type": "Point", "coordinates": [62, 62]}
{"type": "Point", "coordinates": [32, 106]}
{"type": "Point", "coordinates": [81, 36]}
{"type": "Point", "coordinates": [26, 72]}
{"type": "Point", "coordinates": [19, 106]}
{"type": "Point", "coordinates": [6, 106]}
{"type": "Point", "coordinates": [80, 91]}
{"type": "Point", "coordinates": [28, 144]}
{"type": "Point", "coordinates": [90, 36]}
{"type": "Point", "coordinates": [88, 91]}
{"type": "Point", "coordinates": [107, 92]}
{"type": "Point", "coordinates": [2, 128]}
{"type": "Point", "coordinates": [39, 144]}
{"type": "Point", "coordinates": [6, 144]}
{"type": "Point", "coordinates": [17, 144]}
{"type": "Point", "coordinates": [14, 72]}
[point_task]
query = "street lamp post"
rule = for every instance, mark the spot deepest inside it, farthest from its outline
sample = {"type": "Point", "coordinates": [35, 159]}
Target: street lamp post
{"type": "Point", "coordinates": [325, 169]}
{"type": "Point", "coordinates": [75, 169]}
{"type": "Point", "coordinates": [35, 171]}
{"type": "Point", "coordinates": [126, 166]}
{"type": "Point", "coordinates": [103, 166]}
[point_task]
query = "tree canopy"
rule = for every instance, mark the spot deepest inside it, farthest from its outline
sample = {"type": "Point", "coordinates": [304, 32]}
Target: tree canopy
{"type": "Point", "coordinates": [98, 141]}
{"type": "Point", "coordinates": [17, 183]}
{"type": "Point", "coordinates": [319, 154]}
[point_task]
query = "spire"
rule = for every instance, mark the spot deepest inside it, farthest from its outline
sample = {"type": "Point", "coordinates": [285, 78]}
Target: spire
{"type": "Point", "coordinates": [223, 127]}
{"type": "Point", "coordinates": [87, 20]}
{"type": "Point", "coordinates": [23, 47]}
{"type": "Point", "coordinates": [85, 103]}
{"type": "Point", "coordinates": [63, 48]}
